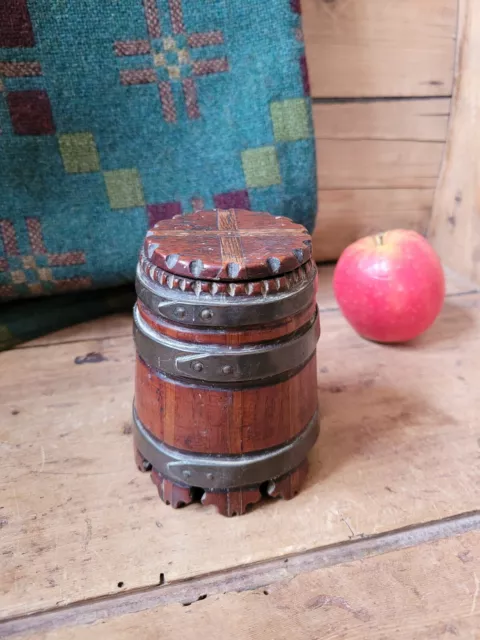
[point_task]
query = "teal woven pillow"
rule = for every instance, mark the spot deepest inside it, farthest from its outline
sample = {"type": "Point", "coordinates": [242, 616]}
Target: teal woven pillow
{"type": "Point", "coordinates": [120, 113]}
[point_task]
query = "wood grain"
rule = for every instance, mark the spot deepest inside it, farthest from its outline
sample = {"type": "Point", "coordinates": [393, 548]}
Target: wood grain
{"type": "Point", "coordinates": [228, 244]}
{"type": "Point", "coordinates": [455, 225]}
{"type": "Point", "coordinates": [377, 48]}
{"type": "Point", "coordinates": [378, 163]}
{"type": "Point", "coordinates": [78, 519]}
{"type": "Point", "coordinates": [246, 578]}
{"type": "Point", "coordinates": [209, 420]}
{"type": "Point", "coordinates": [348, 214]}
{"type": "Point", "coordinates": [415, 120]}
{"type": "Point", "coordinates": [429, 591]}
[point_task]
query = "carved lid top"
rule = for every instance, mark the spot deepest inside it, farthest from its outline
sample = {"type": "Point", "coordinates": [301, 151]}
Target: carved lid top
{"type": "Point", "coordinates": [232, 244]}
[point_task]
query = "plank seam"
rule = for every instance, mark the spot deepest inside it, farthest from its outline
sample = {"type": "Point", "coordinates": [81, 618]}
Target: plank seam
{"type": "Point", "coordinates": [242, 578]}
{"type": "Point", "coordinates": [399, 187]}
{"type": "Point", "coordinates": [373, 99]}
{"type": "Point", "coordinates": [326, 190]}
{"type": "Point", "coordinates": [378, 139]}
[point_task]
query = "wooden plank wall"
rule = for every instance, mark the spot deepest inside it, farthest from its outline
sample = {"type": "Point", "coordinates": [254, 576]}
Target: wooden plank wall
{"type": "Point", "coordinates": [455, 224]}
{"type": "Point", "coordinates": [381, 75]}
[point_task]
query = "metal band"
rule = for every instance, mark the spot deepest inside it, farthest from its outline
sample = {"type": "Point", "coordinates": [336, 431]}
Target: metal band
{"type": "Point", "coordinates": [222, 310]}
{"type": "Point", "coordinates": [210, 363]}
{"type": "Point", "coordinates": [224, 472]}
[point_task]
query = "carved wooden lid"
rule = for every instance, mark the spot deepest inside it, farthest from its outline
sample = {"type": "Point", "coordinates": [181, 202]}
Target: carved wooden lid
{"type": "Point", "coordinates": [232, 244]}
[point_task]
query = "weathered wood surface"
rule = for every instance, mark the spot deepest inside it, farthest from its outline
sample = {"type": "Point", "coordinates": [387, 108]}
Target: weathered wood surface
{"type": "Point", "coordinates": [345, 215]}
{"type": "Point", "coordinates": [399, 446]}
{"type": "Point", "coordinates": [378, 164]}
{"type": "Point", "coordinates": [455, 225]}
{"type": "Point", "coordinates": [240, 579]}
{"type": "Point", "coordinates": [416, 120]}
{"type": "Point", "coordinates": [429, 591]}
{"type": "Point", "coordinates": [377, 48]}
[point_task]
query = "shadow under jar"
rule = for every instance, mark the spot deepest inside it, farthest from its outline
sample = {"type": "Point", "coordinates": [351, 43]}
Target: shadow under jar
{"type": "Point", "coordinates": [226, 326]}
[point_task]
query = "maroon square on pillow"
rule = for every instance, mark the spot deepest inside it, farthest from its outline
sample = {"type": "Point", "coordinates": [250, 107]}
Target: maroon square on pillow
{"type": "Point", "coordinates": [163, 211]}
{"type": "Point", "coordinates": [232, 200]}
{"type": "Point", "coordinates": [31, 113]}
{"type": "Point", "coordinates": [15, 26]}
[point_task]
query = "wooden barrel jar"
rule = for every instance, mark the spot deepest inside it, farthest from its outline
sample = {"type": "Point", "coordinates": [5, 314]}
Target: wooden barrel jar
{"type": "Point", "coordinates": [226, 328]}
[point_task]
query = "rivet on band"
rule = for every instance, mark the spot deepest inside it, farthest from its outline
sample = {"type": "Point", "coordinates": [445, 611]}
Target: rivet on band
{"type": "Point", "coordinates": [207, 314]}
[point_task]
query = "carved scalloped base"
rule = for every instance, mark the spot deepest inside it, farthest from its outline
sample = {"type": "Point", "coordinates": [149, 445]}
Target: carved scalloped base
{"type": "Point", "coordinates": [229, 502]}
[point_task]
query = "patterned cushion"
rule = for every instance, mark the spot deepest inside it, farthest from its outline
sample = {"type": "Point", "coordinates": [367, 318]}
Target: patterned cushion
{"type": "Point", "coordinates": [120, 113]}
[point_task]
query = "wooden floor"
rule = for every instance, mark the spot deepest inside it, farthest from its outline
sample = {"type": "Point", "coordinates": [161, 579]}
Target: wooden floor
{"type": "Point", "coordinates": [383, 542]}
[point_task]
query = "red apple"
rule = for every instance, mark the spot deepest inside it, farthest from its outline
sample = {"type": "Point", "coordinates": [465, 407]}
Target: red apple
{"type": "Point", "coordinates": [390, 287]}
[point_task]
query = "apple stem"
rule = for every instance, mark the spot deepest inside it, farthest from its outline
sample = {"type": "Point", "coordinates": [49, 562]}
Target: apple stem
{"type": "Point", "coordinates": [379, 239]}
